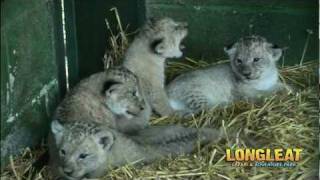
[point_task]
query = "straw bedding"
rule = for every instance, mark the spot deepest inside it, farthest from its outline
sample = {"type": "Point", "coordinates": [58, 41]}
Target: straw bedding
{"type": "Point", "coordinates": [280, 121]}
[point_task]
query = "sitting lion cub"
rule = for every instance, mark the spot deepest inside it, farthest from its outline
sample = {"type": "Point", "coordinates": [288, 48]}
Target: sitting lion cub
{"type": "Point", "coordinates": [252, 73]}
{"type": "Point", "coordinates": [146, 58]}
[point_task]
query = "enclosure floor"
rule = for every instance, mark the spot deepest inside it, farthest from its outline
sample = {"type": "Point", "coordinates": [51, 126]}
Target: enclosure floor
{"type": "Point", "coordinates": [281, 121]}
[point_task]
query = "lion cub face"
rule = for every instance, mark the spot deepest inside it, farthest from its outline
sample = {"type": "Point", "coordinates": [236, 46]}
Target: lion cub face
{"type": "Point", "coordinates": [121, 93]}
{"type": "Point", "coordinates": [253, 57]}
{"type": "Point", "coordinates": [125, 99]}
{"type": "Point", "coordinates": [166, 36]}
{"type": "Point", "coordinates": [82, 148]}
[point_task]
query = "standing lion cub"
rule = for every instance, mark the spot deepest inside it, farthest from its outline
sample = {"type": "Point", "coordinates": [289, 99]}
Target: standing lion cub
{"type": "Point", "coordinates": [146, 58]}
{"type": "Point", "coordinates": [252, 73]}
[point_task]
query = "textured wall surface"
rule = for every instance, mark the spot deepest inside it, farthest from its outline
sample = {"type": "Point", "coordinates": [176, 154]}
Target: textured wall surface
{"type": "Point", "coordinates": [215, 23]}
{"type": "Point", "coordinates": [92, 32]}
{"type": "Point", "coordinates": [29, 85]}
{"type": "Point", "coordinates": [212, 24]}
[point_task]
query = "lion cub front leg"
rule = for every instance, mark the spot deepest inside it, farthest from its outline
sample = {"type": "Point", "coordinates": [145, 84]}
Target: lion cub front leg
{"type": "Point", "coordinates": [160, 102]}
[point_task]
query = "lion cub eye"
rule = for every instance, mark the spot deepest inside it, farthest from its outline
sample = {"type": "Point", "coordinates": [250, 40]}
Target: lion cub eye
{"type": "Point", "coordinates": [256, 59]}
{"type": "Point", "coordinates": [239, 61]}
{"type": "Point", "coordinates": [62, 152]}
{"type": "Point", "coordinates": [135, 94]}
{"type": "Point", "coordinates": [176, 27]}
{"type": "Point", "coordinates": [83, 156]}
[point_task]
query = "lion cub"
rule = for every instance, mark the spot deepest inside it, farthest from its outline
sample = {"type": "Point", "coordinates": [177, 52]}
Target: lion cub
{"type": "Point", "coordinates": [252, 73]}
{"type": "Point", "coordinates": [111, 97]}
{"type": "Point", "coordinates": [86, 149]}
{"type": "Point", "coordinates": [146, 57]}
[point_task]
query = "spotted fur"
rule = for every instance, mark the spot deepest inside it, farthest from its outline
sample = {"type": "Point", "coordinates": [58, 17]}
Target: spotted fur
{"type": "Point", "coordinates": [251, 73]}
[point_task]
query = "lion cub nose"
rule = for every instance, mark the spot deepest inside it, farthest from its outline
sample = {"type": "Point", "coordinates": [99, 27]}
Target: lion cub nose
{"type": "Point", "coordinates": [67, 171]}
{"type": "Point", "coordinates": [246, 73]}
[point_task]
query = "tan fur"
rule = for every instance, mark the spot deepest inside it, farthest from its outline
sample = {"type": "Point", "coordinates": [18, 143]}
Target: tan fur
{"type": "Point", "coordinates": [88, 150]}
{"type": "Point", "coordinates": [120, 107]}
{"type": "Point", "coordinates": [87, 102]}
{"type": "Point", "coordinates": [251, 73]}
{"type": "Point", "coordinates": [157, 41]}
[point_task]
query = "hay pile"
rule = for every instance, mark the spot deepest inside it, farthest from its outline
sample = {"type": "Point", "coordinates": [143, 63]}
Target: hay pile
{"type": "Point", "coordinates": [281, 121]}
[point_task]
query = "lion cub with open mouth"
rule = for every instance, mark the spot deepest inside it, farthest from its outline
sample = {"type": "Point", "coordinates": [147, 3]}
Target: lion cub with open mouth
{"type": "Point", "coordinates": [252, 73]}
{"type": "Point", "coordinates": [146, 58]}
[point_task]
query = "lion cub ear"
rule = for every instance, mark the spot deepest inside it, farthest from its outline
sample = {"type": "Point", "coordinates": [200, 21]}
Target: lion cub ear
{"type": "Point", "coordinates": [276, 51]}
{"type": "Point", "coordinates": [57, 129]}
{"type": "Point", "coordinates": [230, 49]}
{"type": "Point", "coordinates": [105, 139]}
{"type": "Point", "coordinates": [151, 21]}
{"type": "Point", "coordinates": [158, 46]}
{"type": "Point", "coordinates": [109, 86]}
